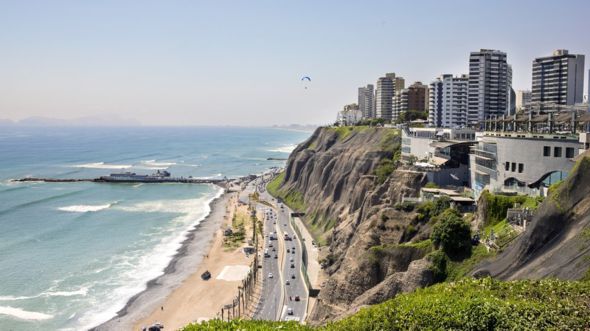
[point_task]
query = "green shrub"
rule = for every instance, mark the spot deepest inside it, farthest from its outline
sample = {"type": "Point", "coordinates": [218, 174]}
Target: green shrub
{"type": "Point", "coordinates": [384, 169]}
{"type": "Point", "coordinates": [452, 234]}
{"type": "Point", "coordinates": [439, 265]}
{"type": "Point", "coordinates": [405, 206]}
{"type": "Point", "coordinates": [468, 304]}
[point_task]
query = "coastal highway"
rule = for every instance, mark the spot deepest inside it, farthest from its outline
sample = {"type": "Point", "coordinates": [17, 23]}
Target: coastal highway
{"type": "Point", "coordinates": [271, 287]}
{"type": "Point", "coordinates": [290, 308]}
{"type": "Point", "coordinates": [278, 295]}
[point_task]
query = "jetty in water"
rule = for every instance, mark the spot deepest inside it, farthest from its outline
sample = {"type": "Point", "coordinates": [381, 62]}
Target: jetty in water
{"type": "Point", "coordinates": [131, 177]}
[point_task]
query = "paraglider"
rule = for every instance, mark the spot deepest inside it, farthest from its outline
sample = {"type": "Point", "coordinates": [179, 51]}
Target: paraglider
{"type": "Point", "coordinates": [306, 80]}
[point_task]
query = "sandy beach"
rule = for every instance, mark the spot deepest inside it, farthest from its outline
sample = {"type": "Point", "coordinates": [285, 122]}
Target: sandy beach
{"type": "Point", "coordinates": [196, 299]}
{"type": "Point", "coordinates": [180, 296]}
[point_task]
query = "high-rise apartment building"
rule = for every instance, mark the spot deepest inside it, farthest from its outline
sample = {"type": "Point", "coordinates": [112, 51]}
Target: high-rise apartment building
{"type": "Point", "coordinates": [384, 96]}
{"type": "Point", "coordinates": [558, 79]}
{"type": "Point", "coordinates": [448, 101]}
{"type": "Point", "coordinates": [523, 100]}
{"type": "Point", "coordinates": [490, 81]}
{"type": "Point", "coordinates": [414, 97]}
{"type": "Point", "coordinates": [366, 102]}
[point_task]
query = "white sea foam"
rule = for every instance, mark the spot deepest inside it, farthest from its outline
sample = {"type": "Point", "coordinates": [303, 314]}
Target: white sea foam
{"type": "Point", "coordinates": [102, 165]}
{"type": "Point", "coordinates": [85, 208]}
{"type": "Point", "coordinates": [83, 291]}
{"type": "Point", "coordinates": [138, 267]}
{"type": "Point", "coordinates": [153, 163]}
{"type": "Point", "coordinates": [283, 149]}
{"type": "Point", "coordinates": [23, 314]}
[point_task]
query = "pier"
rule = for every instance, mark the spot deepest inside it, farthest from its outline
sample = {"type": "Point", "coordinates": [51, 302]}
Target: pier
{"type": "Point", "coordinates": [108, 179]}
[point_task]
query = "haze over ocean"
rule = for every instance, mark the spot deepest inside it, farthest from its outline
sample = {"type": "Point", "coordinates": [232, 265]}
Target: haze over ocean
{"type": "Point", "coordinates": [73, 253]}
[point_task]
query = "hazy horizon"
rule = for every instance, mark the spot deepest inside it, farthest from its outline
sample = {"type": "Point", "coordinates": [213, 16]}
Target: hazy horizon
{"type": "Point", "coordinates": [240, 64]}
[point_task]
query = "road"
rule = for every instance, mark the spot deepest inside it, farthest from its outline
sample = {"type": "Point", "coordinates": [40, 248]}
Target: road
{"type": "Point", "coordinates": [278, 299]}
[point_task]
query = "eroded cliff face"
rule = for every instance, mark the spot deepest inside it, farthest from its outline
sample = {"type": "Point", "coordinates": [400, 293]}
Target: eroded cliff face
{"type": "Point", "coordinates": [557, 241]}
{"type": "Point", "coordinates": [333, 175]}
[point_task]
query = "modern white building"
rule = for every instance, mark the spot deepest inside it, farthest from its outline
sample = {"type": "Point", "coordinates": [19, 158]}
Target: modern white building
{"type": "Point", "coordinates": [558, 79]}
{"type": "Point", "coordinates": [448, 102]}
{"type": "Point", "coordinates": [527, 153]}
{"type": "Point", "coordinates": [349, 115]}
{"type": "Point", "coordinates": [443, 153]}
{"type": "Point", "coordinates": [366, 102]}
{"type": "Point", "coordinates": [490, 82]}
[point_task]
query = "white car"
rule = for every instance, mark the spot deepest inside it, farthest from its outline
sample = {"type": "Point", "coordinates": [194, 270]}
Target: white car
{"type": "Point", "coordinates": [270, 275]}
{"type": "Point", "coordinates": [289, 311]}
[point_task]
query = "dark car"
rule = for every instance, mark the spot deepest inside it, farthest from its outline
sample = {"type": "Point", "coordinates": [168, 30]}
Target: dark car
{"type": "Point", "coordinates": [276, 256]}
{"type": "Point", "coordinates": [292, 265]}
{"type": "Point", "coordinates": [297, 298]}
{"type": "Point", "coordinates": [292, 276]}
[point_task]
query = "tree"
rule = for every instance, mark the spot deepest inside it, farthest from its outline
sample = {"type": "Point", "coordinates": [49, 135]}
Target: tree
{"type": "Point", "coordinates": [452, 234]}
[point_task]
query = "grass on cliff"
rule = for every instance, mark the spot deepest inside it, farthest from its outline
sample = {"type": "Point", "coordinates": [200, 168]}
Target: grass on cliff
{"type": "Point", "coordinates": [498, 205]}
{"type": "Point", "coordinates": [469, 304]}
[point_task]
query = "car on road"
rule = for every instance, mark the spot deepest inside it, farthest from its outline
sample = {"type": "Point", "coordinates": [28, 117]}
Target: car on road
{"type": "Point", "coordinates": [292, 276]}
{"type": "Point", "coordinates": [289, 311]}
{"type": "Point", "coordinates": [276, 256]}
{"type": "Point", "coordinates": [292, 265]}
{"type": "Point", "coordinates": [270, 275]}
{"type": "Point", "coordinates": [288, 250]}
{"type": "Point", "coordinates": [297, 298]}
{"type": "Point", "coordinates": [274, 249]}
{"type": "Point", "coordinates": [291, 259]}
{"type": "Point", "coordinates": [287, 282]}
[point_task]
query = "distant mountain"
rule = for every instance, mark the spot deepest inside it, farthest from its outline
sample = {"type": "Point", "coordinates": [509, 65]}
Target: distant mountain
{"type": "Point", "coordinates": [81, 121]}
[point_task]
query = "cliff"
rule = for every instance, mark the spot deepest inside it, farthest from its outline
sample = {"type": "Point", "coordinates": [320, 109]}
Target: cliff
{"type": "Point", "coordinates": [556, 243]}
{"type": "Point", "coordinates": [346, 181]}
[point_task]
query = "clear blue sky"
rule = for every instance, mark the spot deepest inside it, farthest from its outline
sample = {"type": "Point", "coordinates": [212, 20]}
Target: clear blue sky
{"type": "Point", "coordinates": [240, 62]}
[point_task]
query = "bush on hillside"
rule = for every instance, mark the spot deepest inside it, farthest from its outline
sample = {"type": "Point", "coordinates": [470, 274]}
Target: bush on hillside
{"type": "Point", "coordinates": [452, 234]}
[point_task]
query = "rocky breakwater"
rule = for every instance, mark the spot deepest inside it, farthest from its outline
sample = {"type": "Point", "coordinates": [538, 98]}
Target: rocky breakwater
{"type": "Point", "coordinates": [348, 183]}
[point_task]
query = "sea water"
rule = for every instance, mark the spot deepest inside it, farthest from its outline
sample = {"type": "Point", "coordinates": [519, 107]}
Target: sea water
{"type": "Point", "coordinates": [72, 254]}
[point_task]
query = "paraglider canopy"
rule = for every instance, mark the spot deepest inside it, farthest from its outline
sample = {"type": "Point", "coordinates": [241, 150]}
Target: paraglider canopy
{"type": "Point", "coordinates": [305, 80]}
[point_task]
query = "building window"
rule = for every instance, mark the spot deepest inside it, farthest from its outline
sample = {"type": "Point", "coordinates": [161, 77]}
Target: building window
{"type": "Point", "coordinates": [569, 152]}
{"type": "Point", "coordinates": [513, 166]}
{"type": "Point", "coordinates": [557, 151]}
{"type": "Point", "coordinates": [507, 167]}
{"type": "Point", "coordinates": [520, 168]}
{"type": "Point", "coordinates": [546, 151]}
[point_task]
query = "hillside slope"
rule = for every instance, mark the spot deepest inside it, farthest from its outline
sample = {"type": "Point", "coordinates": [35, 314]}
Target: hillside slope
{"type": "Point", "coordinates": [557, 241]}
{"type": "Point", "coordinates": [344, 179]}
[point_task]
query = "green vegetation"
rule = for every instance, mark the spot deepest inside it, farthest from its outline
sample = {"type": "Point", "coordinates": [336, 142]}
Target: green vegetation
{"type": "Point", "coordinates": [452, 234]}
{"type": "Point", "coordinates": [238, 236]}
{"type": "Point", "coordinates": [430, 185]}
{"type": "Point", "coordinates": [372, 122]}
{"type": "Point", "coordinates": [469, 304]}
{"type": "Point", "coordinates": [439, 262]}
{"type": "Point", "coordinates": [497, 205]}
{"type": "Point", "coordinates": [411, 115]}
{"type": "Point", "coordinates": [459, 269]}
{"type": "Point", "coordinates": [390, 141]}
{"type": "Point", "coordinates": [430, 209]}
{"type": "Point", "coordinates": [384, 169]}
{"type": "Point", "coordinates": [405, 206]}
{"type": "Point", "coordinates": [274, 185]}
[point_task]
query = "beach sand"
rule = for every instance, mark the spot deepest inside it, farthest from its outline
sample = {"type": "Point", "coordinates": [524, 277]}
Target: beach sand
{"type": "Point", "coordinates": [195, 299]}
{"type": "Point", "coordinates": [182, 276]}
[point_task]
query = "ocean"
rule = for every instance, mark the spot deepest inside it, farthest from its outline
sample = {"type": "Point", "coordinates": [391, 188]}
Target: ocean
{"type": "Point", "coordinates": [72, 254]}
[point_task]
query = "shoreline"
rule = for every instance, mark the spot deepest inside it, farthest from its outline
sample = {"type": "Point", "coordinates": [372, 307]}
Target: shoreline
{"type": "Point", "coordinates": [198, 241]}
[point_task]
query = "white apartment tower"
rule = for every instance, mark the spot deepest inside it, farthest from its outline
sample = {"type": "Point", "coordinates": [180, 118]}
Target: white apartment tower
{"type": "Point", "coordinates": [366, 96]}
{"type": "Point", "coordinates": [448, 101]}
{"type": "Point", "coordinates": [558, 79]}
{"type": "Point", "coordinates": [490, 82]}
{"type": "Point", "coordinates": [384, 96]}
